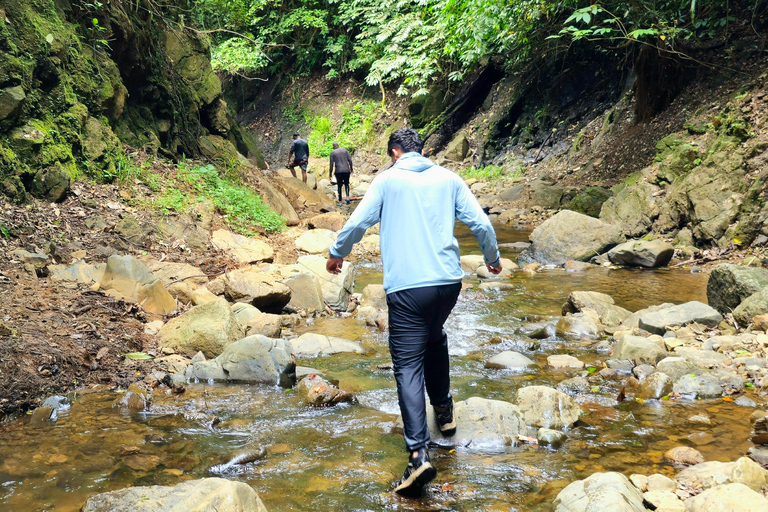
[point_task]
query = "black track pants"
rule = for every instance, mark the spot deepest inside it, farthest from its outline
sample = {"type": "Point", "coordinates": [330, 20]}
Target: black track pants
{"type": "Point", "coordinates": [419, 348]}
{"type": "Point", "coordinates": [342, 179]}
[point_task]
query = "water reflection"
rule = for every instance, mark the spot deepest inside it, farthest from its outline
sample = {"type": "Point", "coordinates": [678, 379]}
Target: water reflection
{"type": "Point", "coordinates": [344, 458]}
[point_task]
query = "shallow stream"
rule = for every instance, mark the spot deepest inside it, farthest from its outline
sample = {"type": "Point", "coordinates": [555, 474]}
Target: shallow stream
{"type": "Point", "coordinates": [344, 458]}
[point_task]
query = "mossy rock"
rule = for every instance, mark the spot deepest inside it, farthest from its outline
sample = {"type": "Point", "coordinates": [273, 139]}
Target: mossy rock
{"type": "Point", "coordinates": [589, 201]}
{"type": "Point", "coordinates": [245, 144]}
{"type": "Point", "coordinates": [424, 109]}
{"type": "Point", "coordinates": [52, 184]}
{"type": "Point", "coordinates": [667, 145]}
{"type": "Point", "coordinates": [677, 161]}
{"type": "Point", "coordinates": [218, 148]}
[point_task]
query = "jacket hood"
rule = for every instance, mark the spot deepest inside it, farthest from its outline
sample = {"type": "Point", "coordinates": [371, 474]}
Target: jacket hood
{"type": "Point", "coordinates": [413, 162]}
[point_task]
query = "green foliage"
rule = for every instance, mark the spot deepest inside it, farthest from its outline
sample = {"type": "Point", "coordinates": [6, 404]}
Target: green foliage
{"type": "Point", "coordinates": [486, 174]}
{"type": "Point", "coordinates": [354, 130]}
{"type": "Point", "coordinates": [244, 209]}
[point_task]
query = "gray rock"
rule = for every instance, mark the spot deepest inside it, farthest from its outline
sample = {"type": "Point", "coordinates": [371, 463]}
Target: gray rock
{"type": "Point", "coordinates": [642, 371]}
{"type": "Point", "coordinates": [698, 386]}
{"type": "Point", "coordinates": [207, 328]}
{"type": "Point", "coordinates": [655, 386]}
{"type": "Point", "coordinates": [634, 208]}
{"type": "Point", "coordinates": [30, 257]}
{"type": "Point", "coordinates": [311, 345]}
{"type": "Point", "coordinates": [562, 361]}
{"type": "Point", "coordinates": [546, 407]}
{"type": "Point", "coordinates": [549, 437]}
{"type": "Point", "coordinates": [336, 287]}
{"type": "Point", "coordinates": [509, 360]}
{"type": "Point", "coordinates": [244, 312]}
{"type": "Point", "coordinates": [483, 424]}
{"type": "Point", "coordinates": [600, 491]}
{"type": "Point", "coordinates": [513, 193]}
{"type": "Point", "coordinates": [242, 249]}
{"type": "Point", "coordinates": [621, 365]}
{"type": "Point", "coordinates": [250, 285]}
{"type": "Point", "coordinates": [255, 359]}
{"type": "Point", "coordinates": [574, 386]}
{"type": "Point", "coordinates": [633, 320]}
{"type": "Point", "coordinates": [637, 349]}
{"type": "Point", "coordinates": [701, 358]}
{"type": "Point", "coordinates": [728, 285]}
{"type": "Point", "coordinates": [642, 253]}
{"type": "Point", "coordinates": [730, 497]}
{"type": "Point", "coordinates": [589, 201]}
{"type": "Point", "coordinates": [374, 295]}
{"type": "Point", "coordinates": [754, 305]}
{"type": "Point", "coordinates": [681, 314]}
{"type": "Point", "coordinates": [545, 195]}
{"type": "Point", "coordinates": [11, 100]}
{"type": "Point", "coordinates": [713, 473]}
{"type": "Point", "coordinates": [217, 494]}
{"type": "Point", "coordinates": [675, 367]}
{"type": "Point", "coordinates": [579, 324]}
{"type": "Point", "coordinates": [306, 293]}
{"type": "Point", "coordinates": [602, 304]}
{"type": "Point", "coordinates": [569, 236]}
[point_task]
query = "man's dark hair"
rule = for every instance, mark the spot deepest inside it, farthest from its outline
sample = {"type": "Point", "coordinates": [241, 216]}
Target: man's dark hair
{"type": "Point", "coordinates": [407, 139]}
{"type": "Point", "coordinates": [296, 134]}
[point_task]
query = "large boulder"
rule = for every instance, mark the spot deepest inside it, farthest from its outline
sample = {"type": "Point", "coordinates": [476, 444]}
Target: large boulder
{"type": "Point", "coordinates": [207, 328]}
{"type": "Point", "coordinates": [589, 201]}
{"type": "Point", "coordinates": [336, 287]}
{"type": "Point", "coordinates": [316, 241]}
{"type": "Point", "coordinates": [569, 236]}
{"type": "Point", "coordinates": [729, 285]}
{"type": "Point", "coordinates": [642, 253]}
{"type": "Point", "coordinates": [698, 386]}
{"type": "Point", "coordinates": [301, 195]}
{"type": "Point", "coordinates": [265, 324]}
{"type": "Point", "coordinates": [634, 208]}
{"type": "Point", "coordinates": [730, 497]}
{"type": "Point", "coordinates": [637, 349]}
{"type": "Point", "coordinates": [633, 320]}
{"type": "Point", "coordinates": [129, 279]}
{"type": "Point", "coordinates": [713, 473]}
{"type": "Point", "coordinates": [311, 345]}
{"type": "Point", "coordinates": [180, 279]}
{"type": "Point", "coordinates": [546, 407]}
{"type": "Point", "coordinates": [254, 286]}
{"type": "Point", "coordinates": [602, 304]}
{"type": "Point", "coordinates": [306, 293]}
{"type": "Point", "coordinates": [217, 494]}
{"type": "Point", "coordinates": [681, 314]}
{"type": "Point", "coordinates": [277, 200]}
{"type": "Point", "coordinates": [600, 491]}
{"type": "Point", "coordinates": [482, 424]}
{"type": "Point", "coordinates": [545, 195]}
{"type": "Point", "coordinates": [754, 305]}
{"type": "Point", "coordinates": [252, 359]}
{"type": "Point", "coordinates": [332, 221]}
{"type": "Point", "coordinates": [241, 249]}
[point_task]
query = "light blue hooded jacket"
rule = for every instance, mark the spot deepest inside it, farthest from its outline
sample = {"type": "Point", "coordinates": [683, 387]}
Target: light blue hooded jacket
{"type": "Point", "coordinates": [417, 203]}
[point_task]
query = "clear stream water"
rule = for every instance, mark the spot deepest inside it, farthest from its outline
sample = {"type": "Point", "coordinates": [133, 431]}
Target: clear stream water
{"type": "Point", "coordinates": [344, 458]}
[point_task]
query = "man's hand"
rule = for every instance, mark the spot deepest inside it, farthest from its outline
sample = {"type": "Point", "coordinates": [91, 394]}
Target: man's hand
{"type": "Point", "coordinates": [333, 266]}
{"type": "Point", "coordinates": [493, 270]}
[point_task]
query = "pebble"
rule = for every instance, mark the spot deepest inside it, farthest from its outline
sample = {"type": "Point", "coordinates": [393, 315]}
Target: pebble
{"type": "Point", "coordinates": [683, 455]}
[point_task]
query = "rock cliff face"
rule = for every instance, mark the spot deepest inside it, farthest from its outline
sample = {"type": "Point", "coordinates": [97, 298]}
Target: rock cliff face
{"type": "Point", "coordinates": [78, 78]}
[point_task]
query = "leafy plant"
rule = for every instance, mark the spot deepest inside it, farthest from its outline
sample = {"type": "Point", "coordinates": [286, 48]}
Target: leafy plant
{"type": "Point", "coordinates": [487, 173]}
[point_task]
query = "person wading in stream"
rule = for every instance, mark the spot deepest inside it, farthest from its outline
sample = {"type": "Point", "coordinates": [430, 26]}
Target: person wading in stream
{"type": "Point", "coordinates": [417, 203]}
{"type": "Point", "coordinates": [341, 160]}
{"type": "Point", "coordinates": [299, 156]}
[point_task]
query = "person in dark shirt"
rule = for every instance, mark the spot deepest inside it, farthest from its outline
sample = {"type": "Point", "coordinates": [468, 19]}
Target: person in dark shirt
{"type": "Point", "coordinates": [342, 162]}
{"type": "Point", "coordinates": [299, 156]}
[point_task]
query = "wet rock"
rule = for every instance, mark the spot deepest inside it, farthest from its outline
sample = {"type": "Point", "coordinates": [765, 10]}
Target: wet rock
{"type": "Point", "coordinates": [252, 359]}
{"type": "Point", "coordinates": [701, 438]}
{"type": "Point", "coordinates": [497, 286]}
{"type": "Point", "coordinates": [698, 386]}
{"type": "Point", "coordinates": [336, 287]}
{"type": "Point", "coordinates": [633, 320]}
{"type": "Point", "coordinates": [265, 324]}
{"type": "Point", "coordinates": [484, 424]}
{"type": "Point", "coordinates": [570, 236]}
{"type": "Point", "coordinates": [316, 241]}
{"type": "Point", "coordinates": [579, 324]}
{"type": "Point", "coordinates": [373, 317]}
{"type": "Point", "coordinates": [546, 407]}
{"type": "Point", "coordinates": [620, 365]}
{"type": "Point", "coordinates": [306, 293]}
{"type": "Point", "coordinates": [509, 360]}
{"type": "Point", "coordinates": [637, 349]}
{"type": "Point", "coordinates": [311, 345]}
{"type": "Point", "coordinates": [561, 361]}
{"type": "Point", "coordinates": [574, 386]}
{"type": "Point", "coordinates": [642, 253]}
{"type": "Point", "coordinates": [136, 398]}
{"type": "Point", "coordinates": [683, 455]}
{"type": "Point", "coordinates": [206, 494]}
{"type": "Point", "coordinates": [129, 279]}
{"type": "Point", "coordinates": [484, 273]}
{"type": "Point", "coordinates": [42, 415]}
{"type": "Point", "coordinates": [577, 266]}
{"type": "Point", "coordinates": [316, 391]}
{"type": "Point", "coordinates": [240, 248]}
{"type": "Point", "coordinates": [683, 314]}
{"type": "Point", "coordinates": [642, 371]}
{"type": "Point", "coordinates": [332, 221]}
{"type": "Point", "coordinates": [731, 497]}
{"type": "Point", "coordinates": [549, 437]}
{"type": "Point", "coordinates": [602, 304]}
{"type": "Point", "coordinates": [471, 262]}
{"type": "Point", "coordinates": [250, 285]}
{"type": "Point", "coordinates": [700, 418]}
{"type": "Point", "coordinates": [754, 305]}
{"type": "Point", "coordinates": [701, 358]}
{"type": "Point", "coordinates": [374, 295]}
{"type": "Point", "coordinates": [728, 285]}
{"type": "Point", "coordinates": [600, 491]}
{"type": "Point", "coordinates": [675, 367]}
{"type": "Point", "coordinates": [655, 386]}
{"type": "Point", "coordinates": [207, 328]}
{"type": "Point", "coordinates": [710, 474]}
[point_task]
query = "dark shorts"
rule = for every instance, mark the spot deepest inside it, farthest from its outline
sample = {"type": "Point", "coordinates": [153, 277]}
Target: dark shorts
{"type": "Point", "coordinates": [300, 163]}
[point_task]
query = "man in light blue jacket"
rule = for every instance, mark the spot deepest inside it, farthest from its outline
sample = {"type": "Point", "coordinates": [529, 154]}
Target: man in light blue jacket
{"type": "Point", "coordinates": [417, 203]}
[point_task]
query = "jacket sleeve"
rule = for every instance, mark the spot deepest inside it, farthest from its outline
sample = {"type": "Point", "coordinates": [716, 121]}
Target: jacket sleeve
{"type": "Point", "coordinates": [469, 212]}
{"type": "Point", "coordinates": [367, 213]}
{"type": "Point", "coordinates": [330, 172]}
{"type": "Point", "coordinates": [349, 159]}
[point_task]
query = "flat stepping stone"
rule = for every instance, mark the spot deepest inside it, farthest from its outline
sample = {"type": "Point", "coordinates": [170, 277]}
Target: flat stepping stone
{"type": "Point", "coordinates": [311, 344]}
{"type": "Point", "coordinates": [509, 360]}
{"type": "Point", "coordinates": [564, 361]}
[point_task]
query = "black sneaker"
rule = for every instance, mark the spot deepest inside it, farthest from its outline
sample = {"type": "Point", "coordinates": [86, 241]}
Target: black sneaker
{"type": "Point", "coordinates": [418, 473]}
{"type": "Point", "coordinates": [446, 419]}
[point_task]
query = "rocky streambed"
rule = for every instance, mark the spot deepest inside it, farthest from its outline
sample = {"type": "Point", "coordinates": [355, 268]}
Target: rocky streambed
{"type": "Point", "coordinates": [575, 389]}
